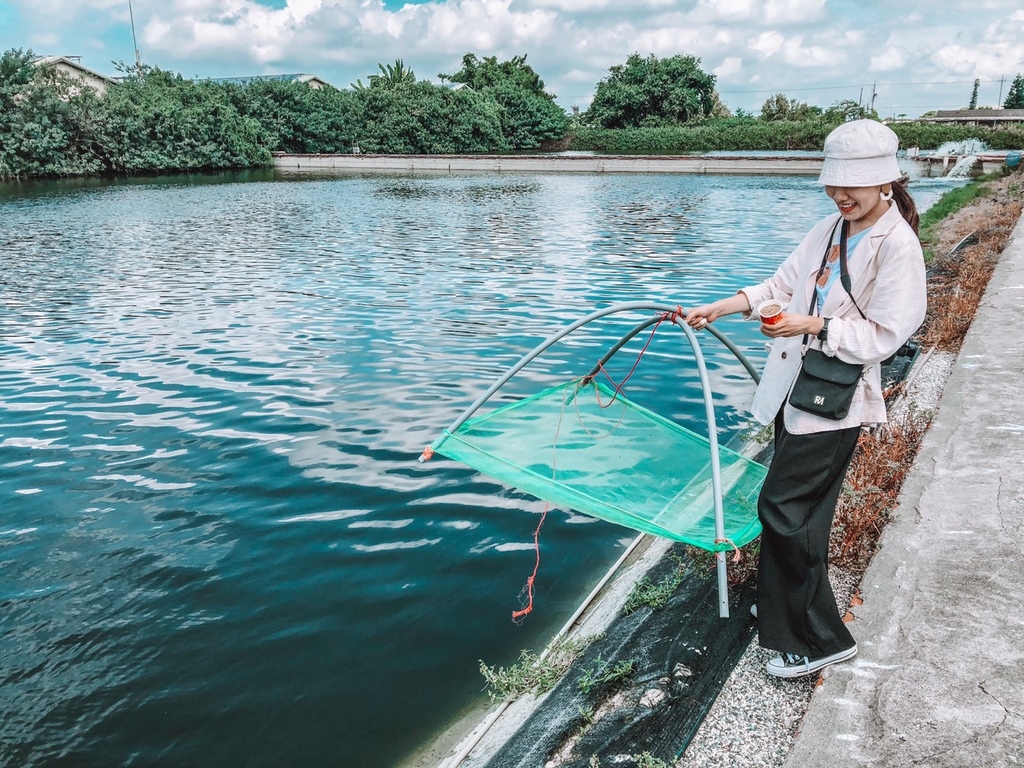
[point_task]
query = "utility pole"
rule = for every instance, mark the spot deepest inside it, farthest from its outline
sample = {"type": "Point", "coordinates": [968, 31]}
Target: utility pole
{"type": "Point", "coordinates": [138, 60]}
{"type": "Point", "coordinates": [999, 102]}
{"type": "Point", "coordinates": [873, 94]}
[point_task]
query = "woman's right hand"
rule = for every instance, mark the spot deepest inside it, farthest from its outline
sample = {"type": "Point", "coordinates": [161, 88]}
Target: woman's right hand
{"type": "Point", "coordinates": [699, 317]}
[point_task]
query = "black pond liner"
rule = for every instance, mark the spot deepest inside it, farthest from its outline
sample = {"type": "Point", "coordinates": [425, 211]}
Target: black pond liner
{"type": "Point", "coordinates": [682, 655]}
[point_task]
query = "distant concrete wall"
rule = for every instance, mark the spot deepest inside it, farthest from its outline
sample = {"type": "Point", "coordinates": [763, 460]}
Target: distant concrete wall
{"type": "Point", "coordinates": [941, 165]}
{"type": "Point", "coordinates": [804, 166]}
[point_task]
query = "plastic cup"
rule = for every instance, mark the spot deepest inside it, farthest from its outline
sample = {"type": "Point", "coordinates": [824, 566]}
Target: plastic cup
{"type": "Point", "coordinates": [770, 311]}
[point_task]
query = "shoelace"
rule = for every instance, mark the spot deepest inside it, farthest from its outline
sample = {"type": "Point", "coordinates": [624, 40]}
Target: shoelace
{"type": "Point", "coordinates": [792, 660]}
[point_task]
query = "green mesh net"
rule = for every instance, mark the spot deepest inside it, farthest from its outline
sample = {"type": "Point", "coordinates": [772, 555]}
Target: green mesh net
{"type": "Point", "coordinates": [587, 449]}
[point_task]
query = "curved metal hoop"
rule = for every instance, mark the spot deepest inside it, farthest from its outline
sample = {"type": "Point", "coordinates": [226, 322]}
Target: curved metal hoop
{"type": "Point", "coordinates": [665, 312]}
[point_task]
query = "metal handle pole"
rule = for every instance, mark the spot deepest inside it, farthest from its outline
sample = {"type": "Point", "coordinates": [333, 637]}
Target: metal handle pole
{"type": "Point", "coordinates": [716, 471]}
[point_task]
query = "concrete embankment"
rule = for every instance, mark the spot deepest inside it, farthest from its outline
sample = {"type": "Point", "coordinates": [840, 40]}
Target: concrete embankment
{"type": "Point", "coordinates": [732, 164]}
{"type": "Point", "coordinates": [939, 680]}
{"type": "Point", "coordinates": [797, 165]}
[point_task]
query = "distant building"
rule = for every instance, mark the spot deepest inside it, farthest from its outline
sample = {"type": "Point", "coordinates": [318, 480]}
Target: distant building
{"type": "Point", "coordinates": [72, 66]}
{"type": "Point", "coordinates": [312, 81]}
{"type": "Point", "coordinates": [993, 118]}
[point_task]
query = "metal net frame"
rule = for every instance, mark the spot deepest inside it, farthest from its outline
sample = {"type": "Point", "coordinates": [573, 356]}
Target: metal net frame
{"type": "Point", "coordinates": [584, 446]}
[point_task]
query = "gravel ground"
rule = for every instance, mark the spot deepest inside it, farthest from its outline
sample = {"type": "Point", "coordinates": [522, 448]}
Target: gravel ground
{"type": "Point", "coordinates": [756, 717]}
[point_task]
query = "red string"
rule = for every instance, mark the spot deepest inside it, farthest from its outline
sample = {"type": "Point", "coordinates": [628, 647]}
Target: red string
{"type": "Point", "coordinates": [528, 589]}
{"type": "Point", "coordinates": [671, 316]}
{"type": "Point", "coordinates": [737, 555]}
{"type": "Point", "coordinates": [518, 616]}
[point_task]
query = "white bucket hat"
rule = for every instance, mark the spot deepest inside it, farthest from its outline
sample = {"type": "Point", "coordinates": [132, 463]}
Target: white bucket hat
{"type": "Point", "coordinates": [861, 153]}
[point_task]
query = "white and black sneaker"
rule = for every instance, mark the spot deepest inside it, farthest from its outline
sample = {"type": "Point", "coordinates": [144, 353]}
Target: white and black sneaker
{"type": "Point", "coordinates": [790, 665]}
{"type": "Point", "coordinates": [753, 610]}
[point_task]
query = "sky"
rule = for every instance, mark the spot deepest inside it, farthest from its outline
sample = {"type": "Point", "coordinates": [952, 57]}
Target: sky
{"type": "Point", "coordinates": [908, 57]}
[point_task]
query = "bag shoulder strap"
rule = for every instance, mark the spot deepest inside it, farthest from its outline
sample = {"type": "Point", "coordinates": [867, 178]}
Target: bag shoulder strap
{"type": "Point", "coordinates": [844, 269]}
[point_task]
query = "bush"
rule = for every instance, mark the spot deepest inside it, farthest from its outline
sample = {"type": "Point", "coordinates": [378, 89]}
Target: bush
{"type": "Point", "coordinates": [48, 123]}
{"type": "Point", "coordinates": [737, 134]}
{"type": "Point", "coordinates": [777, 135]}
{"type": "Point", "coordinates": [158, 121]}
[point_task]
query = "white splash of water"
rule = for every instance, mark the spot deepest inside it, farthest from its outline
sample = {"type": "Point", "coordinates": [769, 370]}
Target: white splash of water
{"type": "Point", "coordinates": [963, 167]}
{"type": "Point", "coordinates": [965, 147]}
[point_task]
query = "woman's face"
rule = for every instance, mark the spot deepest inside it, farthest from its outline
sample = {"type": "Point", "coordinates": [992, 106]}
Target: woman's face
{"type": "Point", "coordinates": [861, 206]}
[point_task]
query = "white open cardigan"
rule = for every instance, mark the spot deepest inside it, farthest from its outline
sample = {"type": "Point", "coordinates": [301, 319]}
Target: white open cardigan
{"type": "Point", "coordinates": [888, 280]}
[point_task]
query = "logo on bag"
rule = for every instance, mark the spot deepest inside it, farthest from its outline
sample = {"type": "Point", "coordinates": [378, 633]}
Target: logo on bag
{"type": "Point", "coordinates": [819, 400]}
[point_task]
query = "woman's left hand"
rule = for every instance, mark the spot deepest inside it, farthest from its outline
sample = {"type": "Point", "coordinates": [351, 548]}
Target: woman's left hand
{"type": "Point", "coordinates": [790, 324]}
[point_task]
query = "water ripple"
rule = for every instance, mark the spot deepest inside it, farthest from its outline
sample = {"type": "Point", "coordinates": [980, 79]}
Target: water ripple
{"type": "Point", "coordinates": [217, 546]}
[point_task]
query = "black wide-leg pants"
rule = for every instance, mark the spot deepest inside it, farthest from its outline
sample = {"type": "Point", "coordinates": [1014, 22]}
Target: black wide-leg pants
{"type": "Point", "coordinates": [796, 609]}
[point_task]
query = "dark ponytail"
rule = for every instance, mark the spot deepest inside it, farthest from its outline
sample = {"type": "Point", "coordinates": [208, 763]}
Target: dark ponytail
{"type": "Point", "coordinates": [906, 204]}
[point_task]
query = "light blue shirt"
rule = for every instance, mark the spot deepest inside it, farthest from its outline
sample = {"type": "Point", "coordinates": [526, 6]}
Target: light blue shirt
{"type": "Point", "coordinates": [851, 246]}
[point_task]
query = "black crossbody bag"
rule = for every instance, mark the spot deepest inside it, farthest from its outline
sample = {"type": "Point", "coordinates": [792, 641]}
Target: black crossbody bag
{"type": "Point", "coordinates": [826, 385]}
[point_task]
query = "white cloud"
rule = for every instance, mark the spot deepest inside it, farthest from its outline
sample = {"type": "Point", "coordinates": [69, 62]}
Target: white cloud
{"type": "Point", "coordinates": [768, 43]}
{"type": "Point", "coordinates": [729, 67]}
{"type": "Point", "coordinates": [889, 60]}
{"type": "Point", "coordinates": [803, 12]}
{"type": "Point", "coordinates": [727, 10]}
{"type": "Point", "coordinates": [992, 62]}
{"type": "Point", "coordinates": [801, 56]}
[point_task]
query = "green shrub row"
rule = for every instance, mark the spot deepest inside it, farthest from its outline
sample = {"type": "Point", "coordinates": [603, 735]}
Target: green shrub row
{"type": "Point", "coordinates": [153, 120]}
{"type": "Point", "coordinates": [748, 134]}
{"type": "Point", "coordinates": [156, 121]}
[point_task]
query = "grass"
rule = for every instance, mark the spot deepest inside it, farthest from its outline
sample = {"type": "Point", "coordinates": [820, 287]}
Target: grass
{"type": "Point", "coordinates": [603, 673]}
{"type": "Point", "coordinates": [655, 594]}
{"type": "Point", "coordinates": [534, 673]}
{"type": "Point", "coordinates": [951, 202]}
{"type": "Point", "coordinates": [958, 280]}
{"type": "Point", "coordinates": [871, 492]}
{"type": "Point", "coordinates": [647, 760]}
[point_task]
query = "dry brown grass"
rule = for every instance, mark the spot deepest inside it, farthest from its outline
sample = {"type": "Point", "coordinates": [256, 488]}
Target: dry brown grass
{"type": "Point", "coordinates": [956, 287]}
{"type": "Point", "coordinates": [957, 281]}
{"type": "Point", "coordinates": [880, 464]}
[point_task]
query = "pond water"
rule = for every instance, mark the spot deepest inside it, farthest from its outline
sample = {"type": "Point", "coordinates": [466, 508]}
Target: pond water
{"type": "Point", "coordinates": [217, 547]}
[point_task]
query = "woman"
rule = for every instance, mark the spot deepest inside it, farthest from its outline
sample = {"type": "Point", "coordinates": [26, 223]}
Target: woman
{"type": "Point", "coordinates": [864, 324]}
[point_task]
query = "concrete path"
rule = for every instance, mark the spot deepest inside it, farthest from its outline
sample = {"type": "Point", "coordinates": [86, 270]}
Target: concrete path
{"type": "Point", "coordinates": [939, 682]}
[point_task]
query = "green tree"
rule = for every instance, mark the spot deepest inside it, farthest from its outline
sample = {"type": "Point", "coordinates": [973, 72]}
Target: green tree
{"type": "Point", "coordinates": [719, 109]}
{"type": "Point", "coordinates": [427, 119]}
{"type": "Point", "coordinates": [48, 121]}
{"type": "Point", "coordinates": [158, 121]}
{"type": "Point", "coordinates": [1015, 96]}
{"type": "Point", "coordinates": [973, 104]}
{"type": "Point", "coordinates": [528, 113]}
{"type": "Point", "coordinates": [395, 75]}
{"type": "Point", "coordinates": [847, 109]}
{"type": "Point", "coordinates": [651, 92]}
{"type": "Point", "coordinates": [298, 118]}
{"type": "Point", "coordinates": [780, 107]}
